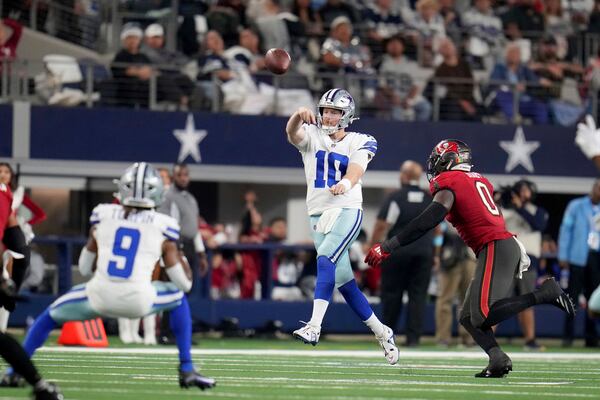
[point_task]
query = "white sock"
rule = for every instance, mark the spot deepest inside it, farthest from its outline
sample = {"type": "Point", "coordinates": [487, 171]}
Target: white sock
{"type": "Point", "coordinates": [135, 330]}
{"type": "Point", "coordinates": [149, 323]}
{"type": "Point", "coordinates": [318, 313]}
{"type": "Point", "coordinates": [4, 315]}
{"type": "Point", "coordinates": [375, 324]}
{"type": "Point", "coordinates": [125, 330]}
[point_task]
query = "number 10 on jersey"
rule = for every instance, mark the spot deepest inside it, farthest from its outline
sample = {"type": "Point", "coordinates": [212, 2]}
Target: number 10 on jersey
{"type": "Point", "coordinates": [336, 163]}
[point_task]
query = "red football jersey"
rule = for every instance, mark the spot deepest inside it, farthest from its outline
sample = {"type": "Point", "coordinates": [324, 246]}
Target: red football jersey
{"type": "Point", "coordinates": [474, 214]}
{"type": "Point", "coordinates": [5, 207]}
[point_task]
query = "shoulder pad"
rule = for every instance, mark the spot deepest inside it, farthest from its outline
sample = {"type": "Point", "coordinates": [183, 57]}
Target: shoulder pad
{"type": "Point", "coordinates": [168, 225]}
{"type": "Point", "coordinates": [366, 142]}
{"type": "Point", "coordinates": [104, 211]}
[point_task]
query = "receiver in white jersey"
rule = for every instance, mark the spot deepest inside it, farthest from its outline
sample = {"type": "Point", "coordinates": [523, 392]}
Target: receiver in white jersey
{"type": "Point", "coordinates": [129, 245]}
{"type": "Point", "coordinates": [325, 164]}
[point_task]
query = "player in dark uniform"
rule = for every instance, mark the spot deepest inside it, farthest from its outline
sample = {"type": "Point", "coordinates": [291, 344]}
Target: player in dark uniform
{"type": "Point", "coordinates": [465, 199]}
{"type": "Point", "coordinates": [10, 349]}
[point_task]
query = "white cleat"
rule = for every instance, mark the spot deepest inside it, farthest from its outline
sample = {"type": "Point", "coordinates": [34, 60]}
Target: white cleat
{"type": "Point", "coordinates": [388, 344]}
{"type": "Point", "coordinates": [308, 333]}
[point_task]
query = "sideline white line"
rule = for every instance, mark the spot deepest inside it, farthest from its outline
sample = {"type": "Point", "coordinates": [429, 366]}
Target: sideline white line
{"type": "Point", "coordinates": [407, 354]}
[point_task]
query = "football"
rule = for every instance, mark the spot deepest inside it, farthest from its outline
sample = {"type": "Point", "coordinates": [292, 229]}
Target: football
{"type": "Point", "coordinates": [278, 61]}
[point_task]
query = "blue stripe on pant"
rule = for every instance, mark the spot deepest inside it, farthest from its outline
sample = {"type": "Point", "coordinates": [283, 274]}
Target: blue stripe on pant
{"type": "Point", "coordinates": [335, 244]}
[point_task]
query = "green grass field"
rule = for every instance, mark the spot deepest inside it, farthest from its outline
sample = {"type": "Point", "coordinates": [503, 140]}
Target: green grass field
{"type": "Point", "coordinates": [285, 369]}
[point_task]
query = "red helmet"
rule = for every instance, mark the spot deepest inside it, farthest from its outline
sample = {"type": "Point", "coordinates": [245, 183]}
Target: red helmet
{"type": "Point", "coordinates": [446, 155]}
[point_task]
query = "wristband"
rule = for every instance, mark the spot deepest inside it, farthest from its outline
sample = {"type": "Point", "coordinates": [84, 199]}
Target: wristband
{"type": "Point", "coordinates": [346, 183]}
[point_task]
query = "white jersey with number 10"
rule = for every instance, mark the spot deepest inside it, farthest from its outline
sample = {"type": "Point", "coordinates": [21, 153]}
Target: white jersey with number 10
{"type": "Point", "coordinates": [325, 164]}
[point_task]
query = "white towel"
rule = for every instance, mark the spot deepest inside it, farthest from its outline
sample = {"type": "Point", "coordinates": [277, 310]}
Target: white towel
{"type": "Point", "coordinates": [524, 261]}
{"type": "Point", "coordinates": [327, 220]}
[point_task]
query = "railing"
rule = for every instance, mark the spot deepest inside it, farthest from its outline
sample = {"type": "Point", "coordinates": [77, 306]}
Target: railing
{"type": "Point", "coordinates": [71, 82]}
{"type": "Point", "coordinates": [68, 250]}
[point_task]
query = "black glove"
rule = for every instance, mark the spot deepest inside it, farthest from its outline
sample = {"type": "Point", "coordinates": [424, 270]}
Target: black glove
{"type": "Point", "coordinates": [8, 294]}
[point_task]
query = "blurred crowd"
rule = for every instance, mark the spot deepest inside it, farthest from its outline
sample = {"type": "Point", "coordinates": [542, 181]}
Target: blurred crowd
{"type": "Point", "coordinates": [538, 60]}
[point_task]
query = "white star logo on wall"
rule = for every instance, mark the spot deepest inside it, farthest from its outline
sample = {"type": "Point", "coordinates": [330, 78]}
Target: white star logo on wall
{"type": "Point", "coordinates": [519, 151]}
{"type": "Point", "coordinates": [189, 139]}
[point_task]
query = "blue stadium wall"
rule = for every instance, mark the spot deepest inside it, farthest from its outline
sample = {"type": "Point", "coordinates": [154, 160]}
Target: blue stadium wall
{"type": "Point", "coordinates": [119, 135]}
{"type": "Point", "coordinates": [115, 135]}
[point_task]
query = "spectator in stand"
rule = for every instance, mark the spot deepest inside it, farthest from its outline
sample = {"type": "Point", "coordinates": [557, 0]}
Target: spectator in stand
{"type": "Point", "coordinates": [565, 106]}
{"type": "Point", "coordinates": [10, 35]}
{"type": "Point", "coordinates": [338, 8]}
{"type": "Point", "coordinates": [485, 32]}
{"type": "Point", "coordinates": [558, 25]}
{"type": "Point", "coordinates": [341, 53]}
{"type": "Point", "coordinates": [132, 80]}
{"type": "Point", "coordinates": [226, 275]}
{"type": "Point", "coordinates": [453, 83]}
{"type": "Point", "coordinates": [403, 82]}
{"type": "Point", "coordinates": [222, 17]}
{"type": "Point", "coordinates": [169, 63]}
{"type": "Point", "coordinates": [452, 19]}
{"type": "Point", "coordinates": [594, 20]}
{"type": "Point", "coordinates": [247, 51]}
{"type": "Point", "coordinates": [455, 272]}
{"type": "Point", "coordinates": [286, 267]}
{"type": "Point", "coordinates": [251, 233]}
{"type": "Point", "coordinates": [20, 11]}
{"type": "Point", "coordinates": [515, 75]}
{"type": "Point", "coordinates": [308, 16]}
{"type": "Point", "coordinates": [428, 28]}
{"type": "Point", "coordinates": [527, 18]}
{"type": "Point", "coordinates": [212, 64]}
{"type": "Point", "coordinates": [277, 230]}
{"type": "Point", "coordinates": [382, 21]}
{"type": "Point", "coordinates": [273, 26]}
{"type": "Point", "coordinates": [579, 254]}
{"type": "Point", "coordinates": [580, 11]}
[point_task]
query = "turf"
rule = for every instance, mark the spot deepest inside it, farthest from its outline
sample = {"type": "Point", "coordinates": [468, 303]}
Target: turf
{"type": "Point", "coordinates": [283, 369]}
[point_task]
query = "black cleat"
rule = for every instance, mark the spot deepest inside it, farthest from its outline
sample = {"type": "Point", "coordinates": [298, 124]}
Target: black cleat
{"type": "Point", "coordinates": [12, 379]}
{"type": "Point", "coordinates": [550, 292]}
{"type": "Point", "coordinates": [498, 367]}
{"type": "Point", "coordinates": [192, 378]}
{"type": "Point", "coordinates": [47, 391]}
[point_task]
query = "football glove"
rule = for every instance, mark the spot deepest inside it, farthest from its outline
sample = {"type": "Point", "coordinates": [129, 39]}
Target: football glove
{"type": "Point", "coordinates": [376, 255]}
{"type": "Point", "coordinates": [588, 137]}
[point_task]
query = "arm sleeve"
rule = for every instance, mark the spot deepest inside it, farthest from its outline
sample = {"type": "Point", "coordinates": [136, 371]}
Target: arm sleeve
{"type": "Point", "coordinates": [305, 143]}
{"type": "Point", "coordinates": [427, 220]}
{"type": "Point", "coordinates": [565, 234]}
{"type": "Point", "coordinates": [38, 215]}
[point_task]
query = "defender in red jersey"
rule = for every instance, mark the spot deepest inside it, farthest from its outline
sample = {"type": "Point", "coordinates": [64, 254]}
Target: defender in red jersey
{"type": "Point", "coordinates": [465, 199]}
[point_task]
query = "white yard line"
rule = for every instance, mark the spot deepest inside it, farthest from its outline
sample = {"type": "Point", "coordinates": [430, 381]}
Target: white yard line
{"type": "Point", "coordinates": [406, 354]}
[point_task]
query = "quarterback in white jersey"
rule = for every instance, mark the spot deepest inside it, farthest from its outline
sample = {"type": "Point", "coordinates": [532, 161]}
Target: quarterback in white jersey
{"type": "Point", "coordinates": [125, 243]}
{"type": "Point", "coordinates": [334, 163]}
